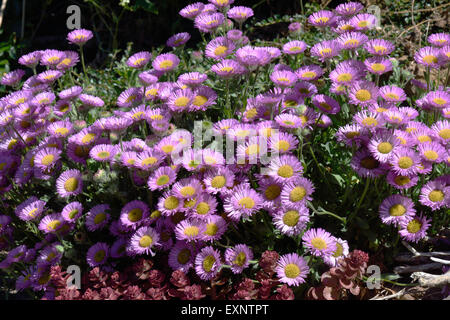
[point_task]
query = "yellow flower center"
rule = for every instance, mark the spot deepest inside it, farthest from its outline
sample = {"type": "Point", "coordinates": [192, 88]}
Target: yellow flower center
{"type": "Point", "coordinates": [71, 184]}
{"type": "Point", "coordinates": [377, 67]}
{"type": "Point", "coordinates": [285, 171]}
{"type": "Point", "coordinates": [48, 159]}
{"type": "Point", "coordinates": [146, 241]}
{"type": "Point", "coordinates": [319, 243]}
{"type": "Point", "coordinates": [325, 51]}
{"type": "Point", "coordinates": [211, 229]}
{"type": "Point", "coordinates": [73, 213]}
{"type": "Point", "coordinates": [252, 149]}
{"type": "Point", "coordinates": [220, 50]}
{"type": "Point", "coordinates": [187, 191]}
{"type": "Point", "coordinates": [397, 210]}
{"type": "Point", "coordinates": [247, 202]}
{"type": "Point", "coordinates": [431, 155]}
{"type": "Point", "coordinates": [283, 145]}
{"type": "Point", "coordinates": [309, 75]}
{"type": "Point", "coordinates": [351, 42]}
{"type": "Point", "coordinates": [182, 101]}
{"type": "Point", "coordinates": [363, 23]}
{"type": "Point", "coordinates": [405, 162]}
{"type": "Point", "coordinates": [99, 218]}
{"type": "Point", "coordinates": [430, 59]}
{"type": "Point", "coordinates": [88, 138]}
{"type": "Point", "coordinates": [439, 101]}
{"type": "Point", "coordinates": [103, 154]}
{"type": "Point", "coordinates": [290, 218]}
{"type": "Point", "coordinates": [62, 131]}
{"type": "Point", "coordinates": [384, 147]}
{"type": "Point", "coordinates": [297, 194]}
{"type": "Point", "coordinates": [240, 259]}
{"type": "Point", "coordinates": [99, 256]}
{"type": "Point", "coordinates": [218, 182]}
{"type": "Point", "coordinates": [183, 256]}
{"type": "Point", "coordinates": [392, 95]}
{"type": "Point", "coordinates": [272, 191]}
{"type": "Point", "coordinates": [53, 225]}
{"type": "Point", "coordinates": [166, 64]}
{"type": "Point", "coordinates": [168, 148]}
{"type": "Point", "coordinates": [199, 101]}
{"type": "Point", "coordinates": [149, 161]}
{"type": "Point", "coordinates": [135, 215]}
{"type": "Point", "coordinates": [414, 226]}
{"type": "Point", "coordinates": [171, 203]}
{"type": "Point", "coordinates": [191, 231]}
{"type": "Point", "coordinates": [162, 180]}
{"type": "Point", "coordinates": [203, 208]}
{"type": "Point", "coordinates": [363, 95]}
{"type": "Point", "coordinates": [380, 49]}
{"type": "Point", "coordinates": [208, 263]}
{"type": "Point", "coordinates": [402, 180]}
{"type": "Point", "coordinates": [292, 271]}
{"type": "Point", "coordinates": [339, 250]}
{"type": "Point", "coordinates": [227, 69]}
{"type": "Point", "coordinates": [444, 134]}
{"type": "Point", "coordinates": [344, 77]}
{"type": "Point", "coordinates": [424, 138]}
{"type": "Point", "coordinates": [436, 196]}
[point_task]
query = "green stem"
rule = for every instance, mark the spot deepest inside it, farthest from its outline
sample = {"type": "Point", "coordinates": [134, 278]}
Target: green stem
{"type": "Point", "coordinates": [325, 212]}
{"type": "Point", "coordinates": [82, 61]}
{"type": "Point", "coordinates": [366, 188]}
{"type": "Point", "coordinates": [428, 79]}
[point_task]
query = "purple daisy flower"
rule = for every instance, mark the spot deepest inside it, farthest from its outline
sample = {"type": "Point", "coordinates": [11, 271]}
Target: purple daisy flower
{"type": "Point", "coordinates": [396, 208]}
{"type": "Point", "coordinates": [215, 227]}
{"type": "Point", "coordinates": [439, 39]}
{"type": "Point", "coordinates": [30, 209]}
{"type": "Point", "coordinates": [207, 22]}
{"type": "Point", "coordinates": [392, 94]}
{"type": "Point", "coordinates": [383, 147]}
{"type": "Point", "coordinates": [341, 252]}
{"type": "Point", "coordinates": [192, 10]}
{"type": "Point", "coordinates": [349, 9]}
{"type": "Point", "coordinates": [228, 68]}
{"type": "Point", "coordinates": [219, 48]}
{"type": "Point", "coordinates": [352, 40]}
{"type": "Point", "coordinates": [218, 180]}
{"type": "Point", "coordinates": [363, 93]}
{"type": "Point", "coordinates": [103, 152]}
{"type": "Point", "coordinates": [344, 75]}
{"type": "Point", "coordinates": [283, 142]}
{"type": "Point", "coordinates": [190, 230]}
{"type": "Point", "coordinates": [294, 47]}
{"type": "Point", "coordinates": [283, 79]}
{"type": "Point", "coordinates": [30, 59]}
{"type": "Point", "coordinates": [98, 217]}
{"type": "Point", "coordinates": [71, 58]}
{"type": "Point", "coordinates": [238, 257]}
{"type": "Point", "coordinates": [178, 39]}
{"type": "Point", "coordinates": [379, 47]}
{"type": "Point", "coordinates": [47, 158]}
{"type": "Point", "coordinates": [326, 104]}
{"type": "Point", "coordinates": [69, 183]}
{"type": "Point", "coordinates": [435, 194]}
{"type": "Point", "coordinates": [284, 169]}
{"type": "Point", "coordinates": [97, 254]}
{"type": "Point", "coordinates": [51, 57]}
{"type": "Point", "coordinates": [61, 129]}
{"type": "Point", "coordinates": [365, 164]}
{"type": "Point", "coordinates": [363, 21]}
{"type": "Point", "coordinates": [291, 220]}
{"type": "Point", "coordinates": [240, 13]}
{"type": "Point", "coordinates": [79, 36]}
{"type": "Point", "coordinates": [292, 269]}
{"type": "Point", "coordinates": [139, 60]}
{"type": "Point", "coordinates": [438, 99]}
{"type": "Point", "coordinates": [181, 256]}
{"type": "Point", "coordinates": [205, 206]}
{"type": "Point", "coordinates": [51, 223]}
{"type": "Point", "coordinates": [192, 79]}
{"type": "Point", "coordinates": [187, 188]}
{"type": "Point", "coordinates": [147, 78]}
{"type": "Point", "coordinates": [143, 241]}
{"type": "Point", "coordinates": [326, 49]}
{"type": "Point", "coordinates": [91, 101]}
{"type": "Point", "coordinates": [432, 152]}
{"type": "Point", "coordinates": [252, 57]}
{"type": "Point", "coordinates": [441, 130]}
{"type": "Point", "coordinates": [134, 213]}
{"type": "Point", "coordinates": [319, 242]}
{"type": "Point", "coordinates": [378, 65]}
{"type": "Point", "coordinates": [207, 263]}
{"type": "Point", "coordinates": [169, 204]}
{"type": "Point", "coordinates": [244, 201]}
{"type": "Point", "coordinates": [165, 62]}
{"type": "Point", "coordinates": [304, 88]}
{"type": "Point", "coordinates": [130, 97]}
{"type": "Point", "coordinates": [43, 99]}
{"type": "Point", "coordinates": [161, 178]}
{"type": "Point", "coordinates": [70, 93]}
{"type": "Point", "coordinates": [428, 57]}
{"type": "Point", "coordinates": [296, 193]}
{"type": "Point", "coordinates": [322, 18]}
{"type": "Point", "coordinates": [414, 229]}
{"type": "Point", "coordinates": [289, 121]}
{"type": "Point", "coordinates": [72, 211]}
{"type": "Point", "coordinates": [309, 72]}
{"type": "Point", "coordinates": [12, 78]}
{"type": "Point", "coordinates": [404, 161]}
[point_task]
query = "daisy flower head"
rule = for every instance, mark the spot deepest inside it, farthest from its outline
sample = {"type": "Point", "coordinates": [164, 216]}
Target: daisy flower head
{"type": "Point", "coordinates": [70, 93]}
{"type": "Point", "coordinates": [190, 230]}
{"type": "Point", "coordinates": [192, 10]}
{"type": "Point", "coordinates": [147, 78]}
{"type": "Point", "coordinates": [309, 73]}
{"type": "Point", "coordinates": [291, 220]}
{"type": "Point", "coordinates": [43, 99]}
{"type": "Point", "coordinates": [396, 208]}
{"type": "Point", "coordinates": [181, 256]}
{"type": "Point", "coordinates": [294, 47]}
{"type": "Point", "coordinates": [428, 57]}
{"type": "Point", "coordinates": [441, 130]}
{"type": "Point", "coordinates": [69, 183]}
{"type": "Point", "coordinates": [161, 178]}
{"type": "Point", "coordinates": [51, 223]}
{"type": "Point", "coordinates": [134, 213]}
{"type": "Point", "coordinates": [400, 181]}
{"type": "Point", "coordinates": [342, 251]}
{"type": "Point", "coordinates": [98, 217]}
{"type": "Point", "coordinates": [218, 180]}
{"type": "Point", "coordinates": [363, 21]}
{"type": "Point", "coordinates": [378, 65]}
{"type": "Point", "coordinates": [392, 94]}
{"type": "Point", "coordinates": [169, 204]}
{"type": "Point", "coordinates": [47, 158]}
{"type": "Point", "coordinates": [282, 142]}
{"type": "Point", "coordinates": [326, 49]}
{"type": "Point", "coordinates": [72, 211]}
{"type": "Point", "coordinates": [349, 9]}
{"type": "Point", "coordinates": [165, 62]}
{"type": "Point", "coordinates": [414, 229]}
{"type": "Point", "coordinates": [322, 18]}
{"type": "Point", "coordinates": [178, 39]}
{"type": "Point", "coordinates": [404, 161]}
{"type": "Point", "coordinates": [61, 129]}
{"type": "Point", "coordinates": [326, 104]}
{"type": "Point", "coordinates": [379, 47]}
{"type": "Point", "coordinates": [238, 257]}
{"type": "Point", "coordinates": [344, 75]}
{"type": "Point", "coordinates": [208, 23]}
{"type": "Point", "coordinates": [30, 59]}
{"type": "Point", "coordinates": [352, 40]}
{"type": "Point", "coordinates": [288, 121]}
{"type": "Point", "coordinates": [205, 206]}
{"type": "Point", "coordinates": [368, 119]}
{"type": "Point", "coordinates": [79, 36]}
{"type": "Point", "coordinates": [382, 147]}
{"type": "Point", "coordinates": [187, 188]}
{"type": "Point", "coordinates": [319, 243]}
{"type": "Point", "coordinates": [13, 78]}
{"type": "Point", "coordinates": [438, 99]}
{"type": "Point", "coordinates": [144, 241]}
{"type": "Point", "coordinates": [193, 79]}
{"type": "Point", "coordinates": [207, 263]}
{"type": "Point", "coordinates": [139, 59]}
{"type": "Point", "coordinates": [432, 152]}
{"type": "Point", "coordinates": [365, 164]}
{"type": "Point", "coordinates": [242, 202]}
{"type": "Point", "coordinates": [343, 26]}
{"type": "Point", "coordinates": [435, 194]}
{"type": "Point", "coordinates": [285, 168]}
{"type": "Point", "coordinates": [292, 269]}
{"type": "Point", "coordinates": [252, 57]}
{"type": "Point", "coordinates": [444, 54]}
{"type": "Point", "coordinates": [180, 100]}
{"type": "Point", "coordinates": [51, 57]}
{"type": "Point", "coordinates": [240, 13]}
{"type": "Point", "coordinates": [228, 68]}
{"type": "Point", "coordinates": [305, 88]}
{"type": "Point", "coordinates": [215, 227]}
{"type": "Point", "coordinates": [295, 193]}
{"type": "Point", "coordinates": [91, 101]}
{"type": "Point", "coordinates": [363, 93]}
{"type": "Point", "coordinates": [97, 254]}
{"type": "Point", "coordinates": [103, 152]}
{"type": "Point", "coordinates": [71, 58]}
{"type": "Point", "coordinates": [219, 48]}
{"type": "Point", "coordinates": [234, 35]}
{"type": "Point", "coordinates": [30, 209]}
{"type": "Point", "coordinates": [439, 39]}
{"type": "Point", "coordinates": [283, 79]}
